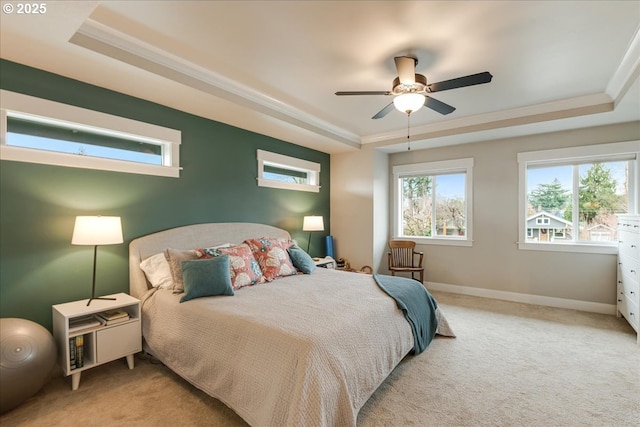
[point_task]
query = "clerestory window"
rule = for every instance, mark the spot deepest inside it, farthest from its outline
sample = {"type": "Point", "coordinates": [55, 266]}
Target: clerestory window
{"type": "Point", "coordinates": [289, 173]}
{"type": "Point", "coordinates": [40, 131]}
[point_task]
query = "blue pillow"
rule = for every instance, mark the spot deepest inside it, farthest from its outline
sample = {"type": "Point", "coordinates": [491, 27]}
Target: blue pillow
{"type": "Point", "coordinates": [301, 260]}
{"type": "Point", "coordinates": [206, 277]}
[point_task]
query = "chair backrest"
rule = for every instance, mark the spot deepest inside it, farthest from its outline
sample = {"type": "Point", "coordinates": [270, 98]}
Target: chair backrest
{"type": "Point", "coordinates": [402, 253]}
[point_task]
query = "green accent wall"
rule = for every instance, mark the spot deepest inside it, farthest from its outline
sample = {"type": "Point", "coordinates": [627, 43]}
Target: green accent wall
{"type": "Point", "coordinates": [38, 203]}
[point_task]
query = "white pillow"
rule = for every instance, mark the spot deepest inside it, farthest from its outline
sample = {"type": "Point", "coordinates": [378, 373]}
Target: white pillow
{"type": "Point", "coordinates": [157, 270]}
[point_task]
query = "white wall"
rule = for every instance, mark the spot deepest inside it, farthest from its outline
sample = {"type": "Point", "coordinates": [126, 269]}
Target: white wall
{"type": "Point", "coordinates": [493, 266]}
{"type": "Point", "coordinates": [359, 206]}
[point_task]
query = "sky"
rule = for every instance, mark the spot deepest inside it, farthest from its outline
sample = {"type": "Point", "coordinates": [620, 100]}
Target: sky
{"type": "Point", "coordinates": [565, 175]}
{"type": "Point", "coordinates": [48, 144]}
{"type": "Point", "coordinates": [450, 186]}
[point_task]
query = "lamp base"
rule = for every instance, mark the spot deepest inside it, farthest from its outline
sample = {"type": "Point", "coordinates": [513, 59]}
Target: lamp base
{"type": "Point", "coordinates": [309, 242]}
{"type": "Point", "coordinates": [103, 298]}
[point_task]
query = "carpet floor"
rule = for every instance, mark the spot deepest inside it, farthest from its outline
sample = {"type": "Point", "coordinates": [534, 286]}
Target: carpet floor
{"type": "Point", "coordinates": [511, 365]}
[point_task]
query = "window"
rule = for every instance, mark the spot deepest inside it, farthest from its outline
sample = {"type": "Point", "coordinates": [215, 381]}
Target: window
{"type": "Point", "coordinates": [40, 131]}
{"type": "Point", "coordinates": [575, 194]}
{"type": "Point", "coordinates": [432, 202]}
{"type": "Point", "coordinates": [290, 173]}
{"type": "Point", "coordinates": [559, 233]}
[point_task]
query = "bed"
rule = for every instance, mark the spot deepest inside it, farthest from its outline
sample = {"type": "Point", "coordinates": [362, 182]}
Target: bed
{"type": "Point", "coordinates": [300, 350]}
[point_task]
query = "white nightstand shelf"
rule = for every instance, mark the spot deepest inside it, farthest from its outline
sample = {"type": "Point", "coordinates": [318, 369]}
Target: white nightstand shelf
{"type": "Point", "coordinates": [100, 343]}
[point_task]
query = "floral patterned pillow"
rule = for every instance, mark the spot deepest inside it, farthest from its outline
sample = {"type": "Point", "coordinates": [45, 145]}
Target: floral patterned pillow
{"type": "Point", "coordinates": [272, 256]}
{"type": "Point", "coordinates": [244, 268]}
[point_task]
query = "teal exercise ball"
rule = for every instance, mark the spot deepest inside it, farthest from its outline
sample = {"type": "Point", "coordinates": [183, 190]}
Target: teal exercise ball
{"type": "Point", "coordinates": [27, 360]}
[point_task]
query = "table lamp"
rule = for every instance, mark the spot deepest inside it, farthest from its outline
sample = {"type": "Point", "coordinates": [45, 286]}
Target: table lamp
{"type": "Point", "coordinates": [311, 224]}
{"type": "Point", "coordinates": [97, 230]}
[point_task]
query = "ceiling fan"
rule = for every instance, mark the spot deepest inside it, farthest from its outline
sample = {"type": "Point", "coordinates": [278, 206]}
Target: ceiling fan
{"type": "Point", "coordinates": [411, 89]}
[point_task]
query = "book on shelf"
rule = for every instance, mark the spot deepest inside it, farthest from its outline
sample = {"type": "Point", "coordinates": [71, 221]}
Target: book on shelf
{"type": "Point", "coordinates": [113, 314]}
{"type": "Point", "coordinates": [85, 322]}
{"type": "Point", "coordinates": [76, 352]}
{"type": "Point", "coordinates": [80, 351]}
{"type": "Point", "coordinates": [72, 353]}
{"type": "Point", "coordinates": [116, 320]}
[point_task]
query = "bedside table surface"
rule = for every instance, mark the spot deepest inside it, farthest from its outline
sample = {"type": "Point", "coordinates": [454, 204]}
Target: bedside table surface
{"type": "Point", "coordinates": [75, 308]}
{"type": "Point", "coordinates": [325, 262]}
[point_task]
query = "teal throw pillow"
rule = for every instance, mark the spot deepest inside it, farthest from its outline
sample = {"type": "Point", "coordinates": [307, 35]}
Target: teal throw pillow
{"type": "Point", "coordinates": [207, 277]}
{"type": "Point", "coordinates": [301, 260]}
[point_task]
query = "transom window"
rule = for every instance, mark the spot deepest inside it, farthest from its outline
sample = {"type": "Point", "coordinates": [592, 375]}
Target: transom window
{"type": "Point", "coordinates": [431, 202]}
{"type": "Point", "coordinates": [55, 136]}
{"type": "Point", "coordinates": [41, 131]}
{"type": "Point", "coordinates": [289, 173]}
{"type": "Point", "coordinates": [569, 198]}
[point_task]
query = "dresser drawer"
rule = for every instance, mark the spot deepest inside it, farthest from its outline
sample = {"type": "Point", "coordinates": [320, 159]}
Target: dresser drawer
{"type": "Point", "coordinates": [629, 224]}
{"type": "Point", "coordinates": [628, 266]}
{"type": "Point", "coordinates": [629, 310]}
{"type": "Point", "coordinates": [629, 244]}
{"type": "Point", "coordinates": [621, 301]}
{"type": "Point", "coordinates": [629, 288]}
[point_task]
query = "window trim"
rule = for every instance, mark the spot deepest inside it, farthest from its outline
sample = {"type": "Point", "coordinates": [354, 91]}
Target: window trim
{"type": "Point", "coordinates": [19, 105]}
{"type": "Point", "coordinates": [615, 151]}
{"type": "Point", "coordinates": [267, 158]}
{"type": "Point", "coordinates": [435, 168]}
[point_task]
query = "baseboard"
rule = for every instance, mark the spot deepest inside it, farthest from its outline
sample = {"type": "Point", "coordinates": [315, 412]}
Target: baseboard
{"type": "Point", "coordinates": [570, 304]}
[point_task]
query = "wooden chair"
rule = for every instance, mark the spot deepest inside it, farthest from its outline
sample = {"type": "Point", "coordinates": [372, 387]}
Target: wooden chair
{"type": "Point", "coordinates": [402, 257]}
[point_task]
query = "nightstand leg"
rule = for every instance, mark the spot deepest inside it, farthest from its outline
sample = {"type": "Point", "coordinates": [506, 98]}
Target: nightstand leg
{"type": "Point", "coordinates": [130, 361]}
{"type": "Point", "coordinates": [75, 380]}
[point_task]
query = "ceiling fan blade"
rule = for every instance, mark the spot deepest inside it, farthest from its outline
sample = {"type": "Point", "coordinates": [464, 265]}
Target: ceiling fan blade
{"type": "Point", "coordinates": [474, 79]}
{"type": "Point", "coordinates": [386, 110]}
{"type": "Point", "coordinates": [406, 67]}
{"type": "Point", "coordinates": [370, 92]}
{"type": "Point", "coordinates": [438, 106]}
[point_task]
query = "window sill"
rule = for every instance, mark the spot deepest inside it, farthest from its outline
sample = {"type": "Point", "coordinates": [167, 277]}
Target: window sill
{"type": "Point", "coordinates": [287, 185]}
{"type": "Point", "coordinates": [28, 155]}
{"type": "Point", "coordinates": [570, 247]}
{"type": "Point", "coordinates": [437, 241]}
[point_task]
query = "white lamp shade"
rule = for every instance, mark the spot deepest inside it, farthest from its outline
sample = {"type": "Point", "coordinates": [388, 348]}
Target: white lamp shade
{"type": "Point", "coordinates": [409, 102]}
{"type": "Point", "coordinates": [313, 223]}
{"type": "Point", "coordinates": [97, 230]}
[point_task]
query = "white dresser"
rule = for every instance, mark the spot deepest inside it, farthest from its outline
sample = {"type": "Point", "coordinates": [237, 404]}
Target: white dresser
{"type": "Point", "coordinates": [629, 269]}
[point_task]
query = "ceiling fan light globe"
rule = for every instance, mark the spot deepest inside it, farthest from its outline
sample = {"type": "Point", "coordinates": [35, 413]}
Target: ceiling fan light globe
{"type": "Point", "coordinates": [409, 102]}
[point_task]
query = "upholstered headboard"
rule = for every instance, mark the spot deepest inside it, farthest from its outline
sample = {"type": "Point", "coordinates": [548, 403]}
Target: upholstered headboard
{"type": "Point", "coordinates": [190, 237]}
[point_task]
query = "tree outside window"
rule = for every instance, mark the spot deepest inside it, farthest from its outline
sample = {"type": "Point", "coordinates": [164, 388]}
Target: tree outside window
{"type": "Point", "coordinates": [602, 192]}
{"type": "Point", "coordinates": [433, 205]}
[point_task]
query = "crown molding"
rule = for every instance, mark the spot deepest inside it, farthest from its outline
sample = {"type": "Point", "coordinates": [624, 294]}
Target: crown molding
{"type": "Point", "coordinates": [571, 107]}
{"type": "Point", "coordinates": [106, 40]}
{"type": "Point", "coordinates": [627, 72]}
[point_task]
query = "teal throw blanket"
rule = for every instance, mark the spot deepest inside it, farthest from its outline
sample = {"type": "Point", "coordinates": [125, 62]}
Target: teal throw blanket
{"type": "Point", "coordinates": [418, 305]}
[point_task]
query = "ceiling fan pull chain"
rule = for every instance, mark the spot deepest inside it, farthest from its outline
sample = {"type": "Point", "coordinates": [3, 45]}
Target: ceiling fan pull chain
{"type": "Point", "coordinates": [408, 128]}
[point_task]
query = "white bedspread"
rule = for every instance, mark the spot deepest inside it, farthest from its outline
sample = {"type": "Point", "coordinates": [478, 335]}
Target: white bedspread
{"type": "Point", "coordinates": [307, 350]}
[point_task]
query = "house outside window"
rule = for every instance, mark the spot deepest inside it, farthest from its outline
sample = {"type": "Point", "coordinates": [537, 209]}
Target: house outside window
{"type": "Point", "coordinates": [545, 227]}
{"type": "Point", "coordinates": [432, 202]}
{"type": "Point", "coordinates": [569, 198]}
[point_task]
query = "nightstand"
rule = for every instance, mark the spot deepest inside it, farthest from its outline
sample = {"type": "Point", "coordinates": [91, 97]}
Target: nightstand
{"type": "Point", "coordinates": [326, 262]}
{"type": "Point", "coordinates": [84, 343]}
